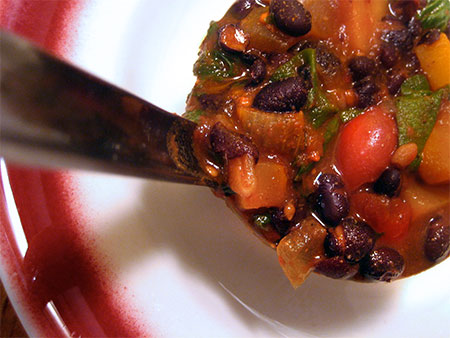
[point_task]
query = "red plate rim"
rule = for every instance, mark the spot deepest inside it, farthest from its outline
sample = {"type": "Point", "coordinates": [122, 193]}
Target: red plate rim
{"type": "Point", "coordinates": [57, 287]}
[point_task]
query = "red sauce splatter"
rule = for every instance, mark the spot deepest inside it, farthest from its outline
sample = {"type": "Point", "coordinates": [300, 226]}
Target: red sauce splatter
{"type": "Point", "coordinates": [57, 267]}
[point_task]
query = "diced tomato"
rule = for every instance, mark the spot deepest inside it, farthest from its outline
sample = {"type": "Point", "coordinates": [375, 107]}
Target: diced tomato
{"type": "Point", "coordinates": [390, 217]}
{"type": "Point", "coordinates": [365, 147]}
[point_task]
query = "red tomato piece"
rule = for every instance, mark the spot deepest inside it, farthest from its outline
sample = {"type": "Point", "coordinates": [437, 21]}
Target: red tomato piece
{"type": "Point", "coordinates": [365, 147]}
{"type": "Point", "coordinates": [390, 217]}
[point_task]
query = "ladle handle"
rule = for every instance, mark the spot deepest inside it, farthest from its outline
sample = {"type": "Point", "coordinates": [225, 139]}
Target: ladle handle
{"type": "Point", "coordinates": [54, 114]}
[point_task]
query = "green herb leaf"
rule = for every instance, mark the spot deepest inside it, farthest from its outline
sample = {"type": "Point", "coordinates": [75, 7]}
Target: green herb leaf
{"type": "Point", "coordinates": [331, 130]}
{"type": "Point", "coordinates": [304, 169]}
{"type": "Point", "coordinates": [262, 221]}
{"type": "Point", "coordinates": [213, 29]}
{"type": "Point", "coordinates": [416, 85]}
{"type": "Point", "coordinates": [349, 114]}
{"type": "Point", "coordinates": [216, 65]}
{"type": "Point", "coordinates": [416, 115]}
{"type": "Point", "coordinates": [320, 109]}
{"type": "Point", "coordinates": [227, 190]}
{"type": "Point", "coordinates": [436, 14]}
{"type": "Point", "coordinates": [193, 115]}
{"type": "Point", "coordinates": [289, 69]}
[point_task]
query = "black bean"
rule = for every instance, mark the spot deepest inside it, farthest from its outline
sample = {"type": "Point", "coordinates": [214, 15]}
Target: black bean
{"type": "Point", "coordinates": [249, 57]}
{"type": "Point", "coordinates": [331, 245]}
{"type": "Point", "coordinates": [230, 144]}
{"type": "Point", "coordinates": [430, 37]}
{"type": "Point", "coordinates": [402, 39]}
{"type": "Point", "coordinates": [395, 82]}
{"type": "Point", "coordinates": [282, 96]}
{"type": "Point", "coordinates": [331, 208]}
{"type": "Point", "coordinates": [390, 19]}
{"type": "Point", "coordinates": [210, 101]}
{"type": "Point", "coordinates": [331, 201]}
{"type": "Point", "coordinates": [415, 27]}
{"type": "Point", "coordinates": [413, 63]}
{"type": "Point", "coordinates": [389, 55]}
{"type": "Point", "coordinates": [329, 62]}
{"type": "Point", "coordinates": [330, 181]}
{"type": "Point", "coordinates": [241, 8]}
{"type": "Point", "coordinates": [365, 89]}
{"type": "Point", "coordinates": [335, 267]}
{"type": "Point", "coordinates": [258, 71]}
{"type": "Point", "coordinates": [305, 73]}
{"type": "Point", "coordinates": [301, 45]}
{"type": "Point", "coordinates": [437, 243]}
{"type": "Point", "coordinates": [361, 66]}
{"type": "Point", "coordinates": [277, 59]}
{"type": "Point", "coordinates": [279, 221]}
{"type": "Point", "coordinates": [404, 9]}
{"type": "Point", "coordinates": [359, 239]}
{"type": "Point", "coordinates": [388, 183]}
{"type": "Point", "coordinates": [384, 264]}
{"type": "Point", "coordinates": [233, 39]}
{"type": "Point", "coordinates": [291, 17]}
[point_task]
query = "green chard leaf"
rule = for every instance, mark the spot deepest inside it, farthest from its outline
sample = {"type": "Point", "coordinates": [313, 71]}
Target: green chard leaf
{"type": "Point", "coordinates": [304, 169]}
{"type": "Point", "coordinates": [193, 115]}
{"type": "Point", "coordinates": [227, 190]}
{"type": "Point", "coordinates": [262, 221]}
{"type": "Point", "coordinates": [318, 108]}
{"type": "Point", "coordinates": [446, 92]}
{"type": "Point", "coordinates": [213, 29]}
{"type": "Point", "coordinates": [349, 114]}
{"type": "Point", "coordinates": [331, 130]}
{"type": "Point", "coordinates": [417, 110]}
{"type": "Point", "coordinates": [289, 69]}
{"type": "Point", "coordinates": [216, 65]}
{"type": "Point", "coordinates": [417, 84]}
{"type": "Point", "coordinates": [436, 14]}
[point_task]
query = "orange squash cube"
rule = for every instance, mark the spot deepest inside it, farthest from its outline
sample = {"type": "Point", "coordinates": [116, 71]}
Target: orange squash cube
{"type": "Point", "coordinates": [435, 61]}
{"type": "Point", "coordinates": [435, 166]}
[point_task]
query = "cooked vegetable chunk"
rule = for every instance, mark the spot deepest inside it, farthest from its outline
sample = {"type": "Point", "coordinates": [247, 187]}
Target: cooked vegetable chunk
{"type": "Point", "coordinates": [435, 61]}
{"type": "Point", "coordinates": [435, 166]}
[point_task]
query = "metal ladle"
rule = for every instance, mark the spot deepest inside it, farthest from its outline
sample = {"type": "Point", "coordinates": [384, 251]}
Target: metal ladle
{"type": "Point", "coordinates": [54, 114]}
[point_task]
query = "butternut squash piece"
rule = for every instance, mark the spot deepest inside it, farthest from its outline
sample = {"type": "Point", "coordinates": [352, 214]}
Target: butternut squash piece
{"type": "Point", "coordinates": [298, 251]}
{"type": "Point", "coordinates": [435, 166]}
{"type": "Point", "coordinates": [271, 186]}
{"type": "Point", "coordinates": [435, 61]}
{"type": "Point", "coordinates": [423, 200]}
{"type": "Point", "coordinates": [241, 175]}
{"type": "Point", "coordinates": [352, 22]}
